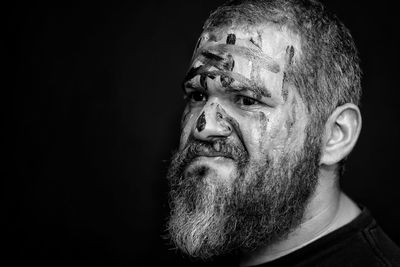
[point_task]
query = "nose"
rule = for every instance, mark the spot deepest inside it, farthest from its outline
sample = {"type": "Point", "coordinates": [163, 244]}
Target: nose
{"type": "Point", "coordinates": [211, 123]}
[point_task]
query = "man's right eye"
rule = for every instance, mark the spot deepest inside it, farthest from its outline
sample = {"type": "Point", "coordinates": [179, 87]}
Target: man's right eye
{"type": "Point", "coordinates": [196, 96]}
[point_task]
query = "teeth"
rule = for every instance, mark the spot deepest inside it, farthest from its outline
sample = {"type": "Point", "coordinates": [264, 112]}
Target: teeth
{"type": "Point", "coordinates": [217, 146]}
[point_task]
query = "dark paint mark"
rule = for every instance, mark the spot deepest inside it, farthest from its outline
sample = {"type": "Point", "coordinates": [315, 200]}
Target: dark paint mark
{"type": "Point", "coordinates": [263, 117]}
{"type": "Point", "coordinates": [192, 72]}
{"type": "Point", "coordinates": [201, 122]}
{"type": "Point", "coordinates": [226, 81]}
{"type": "Point", "coordinates": [263, 126]}
{"type": "Point", "coordinates": [291, 54]}
{"type": "Point", "coordinates": [254, 43]}
{"type": "Point", "coordinates": [244, 83]}
{"type": "Point", "coordinates": [203, 82]}
{"type": "Point", "coordinates": [211, 56]}
{"type": "Point", "coordinates": [285, 91]}
{"type": "Point", "coordinates": [221, 63]}
{"type": "Point", "coordinates": [231, 39]}
{"type": "Point", "coordinates": [231, 63]}
{"type": "Point", "coordinates": [252, 54]}
{"type": "Point", "coordinates": [292, 120]}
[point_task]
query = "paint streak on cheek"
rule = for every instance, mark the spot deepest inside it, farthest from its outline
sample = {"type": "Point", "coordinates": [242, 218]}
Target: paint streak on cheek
{"type": "Point", "coordinates": [288, 62]}
{"type": "Point", "coordinates": [292, 119]}
{"type": "Point", "coordinates": [295, 124]}
{"type": "Point", "coordinates": [263, 122]}
{"type": "Point", "coordinates": [285, 90]}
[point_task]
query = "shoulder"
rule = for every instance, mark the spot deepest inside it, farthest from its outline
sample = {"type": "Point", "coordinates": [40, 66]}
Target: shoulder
{"type": "Point", "coordinates": [383, 248]}
{"type": "Point", "coordinates": [363, 243]}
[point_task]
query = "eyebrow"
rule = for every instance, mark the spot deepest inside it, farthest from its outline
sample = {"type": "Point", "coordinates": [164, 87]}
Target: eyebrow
{"type": "Point", "coordinates": [255, 55]}
{"type": "Point", "coordinates": [244, 83]}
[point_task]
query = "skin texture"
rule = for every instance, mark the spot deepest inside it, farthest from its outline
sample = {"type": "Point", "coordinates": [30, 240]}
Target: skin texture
{"type": "Point", "coordinates": [235, 89]}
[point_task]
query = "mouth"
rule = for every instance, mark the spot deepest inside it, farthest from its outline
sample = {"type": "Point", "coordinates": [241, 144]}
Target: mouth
{"type": "Point", "coordinates": [212, 154]}
{"type": "Point", "coordinates": [216, 160]}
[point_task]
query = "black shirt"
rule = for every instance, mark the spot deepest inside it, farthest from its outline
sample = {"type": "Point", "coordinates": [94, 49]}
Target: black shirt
{"type": "Point", "coordinates": [358, 243]}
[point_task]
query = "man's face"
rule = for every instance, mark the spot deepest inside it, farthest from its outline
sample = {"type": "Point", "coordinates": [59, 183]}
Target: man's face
{"type": "Point", "coordinates": [243, 141]}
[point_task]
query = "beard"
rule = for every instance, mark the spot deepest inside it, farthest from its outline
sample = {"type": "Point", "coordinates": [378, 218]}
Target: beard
{"type": "Point", "coordinates": [265, 201]}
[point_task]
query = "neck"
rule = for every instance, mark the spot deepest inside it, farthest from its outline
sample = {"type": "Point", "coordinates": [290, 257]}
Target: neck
{"type": "Point", "coordinates": [328, 209]}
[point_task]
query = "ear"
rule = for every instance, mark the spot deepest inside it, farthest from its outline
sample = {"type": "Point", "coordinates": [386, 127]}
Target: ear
{"type": "Point", "coordinates": [341, 133]}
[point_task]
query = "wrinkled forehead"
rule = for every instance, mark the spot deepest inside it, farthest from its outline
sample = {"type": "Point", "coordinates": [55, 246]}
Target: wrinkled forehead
{"type": "Point", "coordinates": [250, 54]}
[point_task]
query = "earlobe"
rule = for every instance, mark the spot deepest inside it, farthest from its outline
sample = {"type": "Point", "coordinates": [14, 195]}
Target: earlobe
{"type": "Point", "coordinates": [341, 133]}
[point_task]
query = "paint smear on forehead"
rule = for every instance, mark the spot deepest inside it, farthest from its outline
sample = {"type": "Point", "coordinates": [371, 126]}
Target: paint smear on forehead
{"type": "Point", "coordinates": [219, 60]}
{"type": "Point", "coordinates": [252, 54]}
{"type": "Point", "coordinates": [269, 38]}
{"type": "Point", "coordinates": [260, 51]}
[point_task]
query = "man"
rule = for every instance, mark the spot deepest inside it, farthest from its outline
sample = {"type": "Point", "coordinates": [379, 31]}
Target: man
{"type": "Point", "coordinates": [272, 113]}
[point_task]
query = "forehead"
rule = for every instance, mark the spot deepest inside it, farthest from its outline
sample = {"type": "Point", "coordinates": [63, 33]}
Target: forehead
{"type": "Point", "coordinates": [254, 56]}
{"type": "Point", "coordinates": [270, 39]}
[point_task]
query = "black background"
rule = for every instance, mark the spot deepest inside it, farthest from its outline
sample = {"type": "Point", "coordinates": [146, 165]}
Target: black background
{"type": "Point", "coordinates": [91, 108]}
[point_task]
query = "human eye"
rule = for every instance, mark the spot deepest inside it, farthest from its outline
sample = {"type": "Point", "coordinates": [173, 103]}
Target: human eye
{"type": "Point", "coordinates": [246, 101]}
{"type": "Point", "coordinates": [195, 96]}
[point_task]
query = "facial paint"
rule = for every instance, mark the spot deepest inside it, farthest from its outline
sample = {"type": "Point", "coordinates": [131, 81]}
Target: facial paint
{"type": "Point", "coordinates": [219, 57]}
{"type": "Point", "coordinates": [241, 82]}
{"type": "Point", "coordinates": [231, 39]}
{"type": "Point", "coordinates": [254, 55]}
{"type": "Point", "coordinates": [220, 62]}
{"type": "Point", "coordinates": [263, 127]}
{"type": "Point", "coordinates": [203, 82]}
{"type": "Point", "coordinates": [226, 81]}
{"type": "Point", "coordinates": [291, 55]}
{"type": "Point", "coordinates": [289, 61]}
{"type": "Point", "coordinates": [257, 42]}
{"type": "Point", "coordinates": [201, 122]}
{"type": "Point", "coordinates": [220, 115]}
{"type": "Point", "coordinates": [292, 117]}
{"type": "Point", "coordinates": [191, 73]}
{"type": "Point", "coordinates": [285, 91]}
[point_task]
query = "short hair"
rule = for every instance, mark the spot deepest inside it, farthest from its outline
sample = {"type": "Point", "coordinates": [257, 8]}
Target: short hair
{"type": "Point", "coordinates": [327, 73]}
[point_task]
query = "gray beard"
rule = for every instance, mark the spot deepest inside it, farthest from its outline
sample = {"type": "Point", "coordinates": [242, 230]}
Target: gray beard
{"type": "Point", "coordinates": [263, 204]}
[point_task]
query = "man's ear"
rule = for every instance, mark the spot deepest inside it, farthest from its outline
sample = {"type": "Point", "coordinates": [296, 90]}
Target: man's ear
{"type": "Point", "coordinates": [341, 133]}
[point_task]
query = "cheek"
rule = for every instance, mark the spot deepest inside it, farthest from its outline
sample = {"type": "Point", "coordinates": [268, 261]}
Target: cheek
{"type": "Point", "coordinates": [295, 125]}
{"type": "Point", "coordinates": [263, 125]}
{"type": "Point", "coordinates": [255, 132]}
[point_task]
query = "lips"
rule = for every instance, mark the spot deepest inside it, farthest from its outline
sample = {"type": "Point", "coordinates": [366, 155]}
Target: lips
{"type": "Point", "coordinates": [216, 149]}
{"type": "Point", "coordinates": [212, 153]}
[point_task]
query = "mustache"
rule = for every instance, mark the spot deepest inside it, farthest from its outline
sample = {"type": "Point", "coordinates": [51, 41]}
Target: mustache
{"type": "Point", "coordinates": [196, 148]}
{"type": "Point", "coordinates": [217, 148]}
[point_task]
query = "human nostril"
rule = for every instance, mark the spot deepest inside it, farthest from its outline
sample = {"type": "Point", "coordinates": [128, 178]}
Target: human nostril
{"type": "Point", "coordinates": [201, 122]}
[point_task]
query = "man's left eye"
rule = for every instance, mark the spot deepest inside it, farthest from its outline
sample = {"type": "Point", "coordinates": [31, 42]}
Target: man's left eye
{"type": "Point", "coordinates": [245, 100]}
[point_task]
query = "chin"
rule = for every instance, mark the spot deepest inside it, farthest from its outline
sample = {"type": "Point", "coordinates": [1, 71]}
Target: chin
{"type": "Point", "coordinates": [217, 169]}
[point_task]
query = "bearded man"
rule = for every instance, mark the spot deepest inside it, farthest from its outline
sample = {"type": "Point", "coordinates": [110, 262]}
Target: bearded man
{"type": "Point", "coordinates": [272, 113]}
